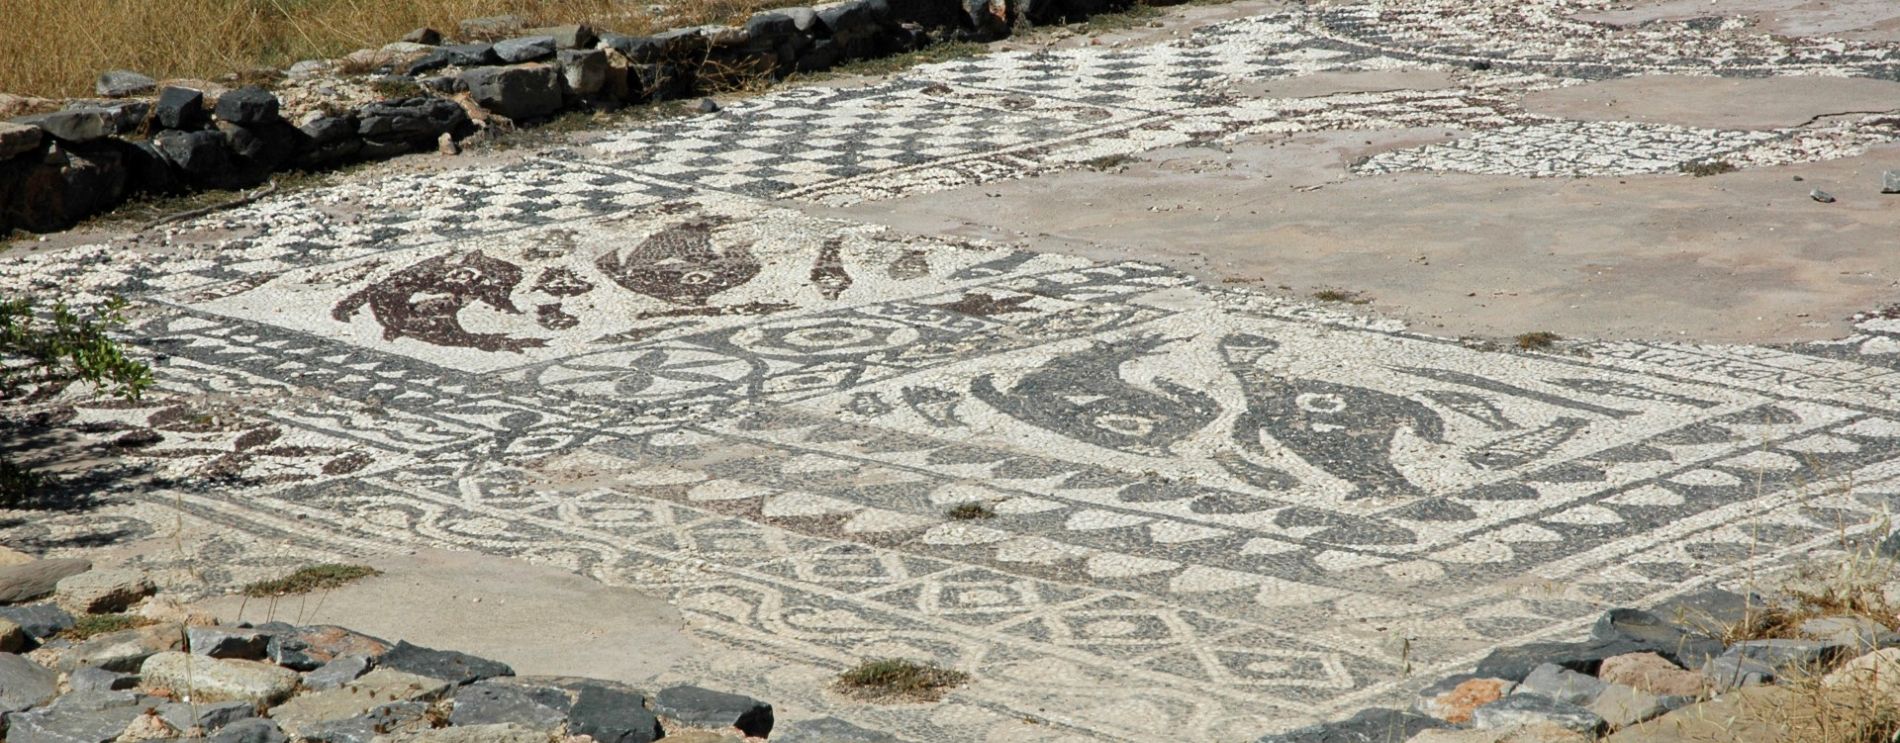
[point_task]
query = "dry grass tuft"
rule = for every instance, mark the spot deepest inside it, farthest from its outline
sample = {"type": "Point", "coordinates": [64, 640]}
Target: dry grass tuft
{"type": "Point", "coordinates": [58, 47]}
{"type": "Point", "coordinates": [898, 680]}
{"type": "Point", "coordinates": [971, 511]}
{"type": "Point", "coordinates": [1340, 295]}
{"type": "Point", "coordinates": [1538, 341]}
{"type": "Point", "coordinates": [313, 578]}
{"type": "Point", "coordinates": [1854, 587]}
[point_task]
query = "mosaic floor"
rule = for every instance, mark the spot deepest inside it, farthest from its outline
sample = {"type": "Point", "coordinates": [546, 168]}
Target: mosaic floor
{"type": "Point", "coordinates": [1215, 513]}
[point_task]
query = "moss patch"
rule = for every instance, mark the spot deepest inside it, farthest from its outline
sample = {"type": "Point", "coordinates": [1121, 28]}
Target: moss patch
{"type": "Point", "coordinates": [98, 624]}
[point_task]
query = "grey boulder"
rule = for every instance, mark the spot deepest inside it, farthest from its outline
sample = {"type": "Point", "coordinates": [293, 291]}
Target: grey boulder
{"type": "Point", "coordinates": [611, 715]}
{"type": "Point", "coordinates": [180, 108]}
{"type": "Point", "coordinates": [254, 730]}
{"type": "Point", "coordinates": [444, 665]}
{"type": "Point", "coordinates": [100, 679]}
{"type": "Point", "coordinates": [24, 684]}
{"type": "Point", "coordinates": [525, 49]}
{"type": "Point", "coordinates": [248, 106]}
{"type": "Point", "coordinates": [18, 138]}
{"type": "Point", "coordinates": [1531, 709]}
{"type": "Point", "coordinates": [388, 719]}
{"type": "Point", "coordinates": [78, 717]}
{"type": "Point", "coordinates": [1553, 681]}
{"type": "Point", "coordinates": [338, 672]}
{"type": "Point", "coordinates": [583, 71]}
{"type": "Point", "coordinates": [529, 91]}
{"type": "Point", "coordinates": [209, 717]}
{"type": "Point", "coordinates": [510, 700]}
{"type": "Point", "coordinates": [38, 620]}
{"type": "Point", "coordinates": [32, 580]}
{"type": "Point", "coordinates": [697, 707]}
{"type": "Point", "coordinates": [1369, 726]}
{"type": "Point", "coordinates": [228, 642]}
{"type": "Point", "coordinates": [122, 83]}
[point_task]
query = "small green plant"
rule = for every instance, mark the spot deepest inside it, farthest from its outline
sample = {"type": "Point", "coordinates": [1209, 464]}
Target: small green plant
{"type": "Point", "coordinates": [1538, 341]}
{"type": "Point", "coordinates": [313, 578]}
{"type": "Point", "coordinates": [61, 343]}
{"type": "Point", "coordinates": [971, 511]}
{"type": "Point", "coordinates": [1115, 162]}
{"type": "Point", "coordinates": [898, 680]}
{"type": "Point", "coordinates": [391, 87]}
{"type": "Point", "coordinates": [98, 624]}
{"type": "Point", "coordinates": [1706, 168]}
{"type": "Point", "coordinates": [56, 346]}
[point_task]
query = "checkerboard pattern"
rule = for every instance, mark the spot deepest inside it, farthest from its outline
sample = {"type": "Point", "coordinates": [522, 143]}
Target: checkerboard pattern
{"type": "Point", "coordinates": [1570, 148]}
{"type": "Point", "coordinates": [804, 137]}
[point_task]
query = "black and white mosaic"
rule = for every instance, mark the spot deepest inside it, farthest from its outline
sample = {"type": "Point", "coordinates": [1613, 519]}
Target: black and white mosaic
{"type": "Point", "coordinates": [632, 364]}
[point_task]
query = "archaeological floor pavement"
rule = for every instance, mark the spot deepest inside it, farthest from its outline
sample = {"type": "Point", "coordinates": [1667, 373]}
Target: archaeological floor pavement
{"type": "Point", "coordinates": [656, 361]}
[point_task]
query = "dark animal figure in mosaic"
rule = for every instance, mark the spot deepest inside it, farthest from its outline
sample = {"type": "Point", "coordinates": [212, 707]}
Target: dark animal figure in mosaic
{"type": "Point", "coordinates": [425, 301]}
{"type": "Point", "coordinates": [1082, 395]}
{"type": "Point", "coordinates": [1345, 430]}
{"type": "Point", "coordinates": [679, 264]}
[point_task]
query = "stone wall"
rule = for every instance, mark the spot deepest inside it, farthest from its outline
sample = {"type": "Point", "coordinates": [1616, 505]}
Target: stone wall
{"type": "Point", "coordinates": [59, 167]}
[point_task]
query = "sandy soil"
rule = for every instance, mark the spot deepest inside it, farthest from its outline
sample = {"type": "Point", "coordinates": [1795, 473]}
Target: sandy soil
{"type": "Point", "coordinates": [538, 619]}
{"type": "Point", "coordinates": [1743, 257]}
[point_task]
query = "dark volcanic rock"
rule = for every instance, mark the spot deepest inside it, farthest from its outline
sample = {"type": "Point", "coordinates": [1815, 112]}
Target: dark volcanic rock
{"type": "Point", "coordinates": [42, 194]}
{"type": "Point", "coordinates": [1531, 709]}
{"type": "Point", "coordinates": [100, 679]}
{"type": "Point", "coordinates": [307, 648]}
{"type": "Point", "coordinates": [24, 684]}
{"type": "Point", "coordinates": [447, 665]}
{"type": "Point", "coordinates": [180, 108]}
{"type": "Point", "coordinates": [74, 125]}
{"type": "Point", "coordinates": [38, 620]}
{"type": "Point", "coordinates": [254, 730]}
{"type": "Point", "coordinates": [388, 719]}
{"type": "Point", "coordinates": [338, 672]}
{"type": "Point", "coordinates": [228, 642]}
{"type": "Point", "coordinates": [525, 49]}
{"type": "Point", "coordinates": [78, 717]}
{"type": "Point", "coordinates": [511, 700]}
{"type": "Point", "coordinates": [699, 707]}
{"type": "Point", "coordinates": [202, 156]}
{"type": "Point", "coordinates": [1679, 645]}
{"type": "Point", "coordinates": [248, 106]}
{"type": "Point", "coordinates": [529, 91]}
{"type": "Point", "coordinates": [612, 715]}
{"type": "Point", "coordinates": [1583, 657]}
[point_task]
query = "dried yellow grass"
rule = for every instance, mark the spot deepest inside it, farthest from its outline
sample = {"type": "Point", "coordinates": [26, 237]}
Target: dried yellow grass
{"type": "Point", "coordinates": [57, 48]}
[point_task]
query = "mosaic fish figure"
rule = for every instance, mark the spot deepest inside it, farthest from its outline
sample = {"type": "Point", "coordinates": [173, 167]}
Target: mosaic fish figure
{"type": "Point", "coordinates": [424, 301]}
{"type": "Point", "coordinates": [679, 264]}
{"type": "Point", "coordinates": [828, 273]}
{"type": "Point", "coordinates": [1082, 396]}
{"type": "Point", "coordinates": [1345, 430]}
